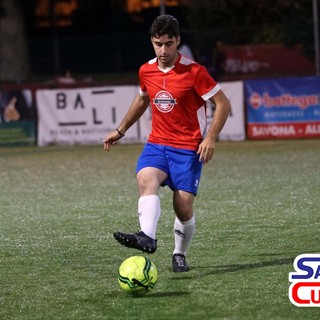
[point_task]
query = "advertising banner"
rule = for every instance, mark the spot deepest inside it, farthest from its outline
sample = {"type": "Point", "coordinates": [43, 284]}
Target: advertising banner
{"type": "Point", "coordinates": [283, 108]}
{"type": "Point", "coordinates": [83, 115]}
{"type": "Point", "coordinates": [234, 129]}
{"type": "Point", "coordinates": [263, 60]}
{"type": "Point", "coordinates": [17, 121]}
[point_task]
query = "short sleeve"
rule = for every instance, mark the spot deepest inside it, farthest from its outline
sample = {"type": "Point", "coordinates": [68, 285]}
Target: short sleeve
{"type": "Point", "coordinates": [204, 84]}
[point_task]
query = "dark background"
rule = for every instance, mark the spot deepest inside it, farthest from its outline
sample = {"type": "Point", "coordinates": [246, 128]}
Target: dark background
{"type": "Point", "coordinates": [103, 36]}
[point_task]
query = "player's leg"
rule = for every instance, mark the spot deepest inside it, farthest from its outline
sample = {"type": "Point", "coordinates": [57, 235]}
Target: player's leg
{"type": "Point", "coordinates": [185, 173]}
{"type": "Point", "coordinates": [151, 173]}
{"type": "Point", "coordinates": [149, 180]}
{"type": "Point", "coordinates": [184, 228]}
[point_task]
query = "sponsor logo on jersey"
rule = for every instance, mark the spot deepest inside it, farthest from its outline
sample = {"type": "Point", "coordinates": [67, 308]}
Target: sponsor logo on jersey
{"type": "Point", "coordinates": [164, 101]}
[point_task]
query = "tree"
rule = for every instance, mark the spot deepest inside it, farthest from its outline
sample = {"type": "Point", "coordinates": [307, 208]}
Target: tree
{"type": "Point", "coordinates": [14, 55]}
{"type": "Point", "coordinates": [246, 21]}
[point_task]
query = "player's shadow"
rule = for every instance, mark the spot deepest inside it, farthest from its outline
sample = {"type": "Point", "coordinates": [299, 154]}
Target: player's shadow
{"type": "Point", "coordinates": [212, 270]}
{"type": "Point", "coordinates": [166, 294]}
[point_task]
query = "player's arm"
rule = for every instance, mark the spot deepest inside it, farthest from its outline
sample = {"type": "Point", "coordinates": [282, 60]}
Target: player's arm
{"type": "Point", "coordinates": [222, 111]}
{"type": "Point", "coordinates": [137, 108]}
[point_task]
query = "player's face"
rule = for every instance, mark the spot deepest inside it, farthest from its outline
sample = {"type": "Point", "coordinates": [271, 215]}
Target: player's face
{"type": "Point", "coordinates": [165, 49]}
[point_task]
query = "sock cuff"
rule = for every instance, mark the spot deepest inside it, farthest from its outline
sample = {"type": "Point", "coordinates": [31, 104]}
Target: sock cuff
{"type": "Point", "coordinates": [190, 222]}
{"type": "Point", "coordinates": [148, 197]}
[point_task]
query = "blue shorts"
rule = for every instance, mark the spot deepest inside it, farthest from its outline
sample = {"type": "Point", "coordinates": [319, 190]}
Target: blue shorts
{"type": "Point", "coordinates": [182, 166]}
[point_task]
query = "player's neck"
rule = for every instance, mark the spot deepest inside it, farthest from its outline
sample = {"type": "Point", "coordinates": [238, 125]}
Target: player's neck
{"type": "Point", "coordinates": [170, 65]}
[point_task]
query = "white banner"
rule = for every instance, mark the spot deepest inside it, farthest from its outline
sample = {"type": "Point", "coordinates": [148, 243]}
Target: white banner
{"type": "Point", "coordinates": [234, 128]}
{"type": "Point", "coordinates": [86, 115]}
{"type": "Point", "coordinates": [83, 115]}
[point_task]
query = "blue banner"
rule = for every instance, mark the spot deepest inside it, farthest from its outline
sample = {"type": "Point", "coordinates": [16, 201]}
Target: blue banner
{"type": "Point", "coordinates": [283, 108]}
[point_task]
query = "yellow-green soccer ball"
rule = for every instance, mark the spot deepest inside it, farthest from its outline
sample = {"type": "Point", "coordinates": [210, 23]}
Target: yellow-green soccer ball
{"type": "Point", "coordinates": [137, 275]}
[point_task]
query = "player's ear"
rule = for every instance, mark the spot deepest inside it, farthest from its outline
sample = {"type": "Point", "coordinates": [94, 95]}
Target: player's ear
{"type": "Point", "coordinates": [178, 40]}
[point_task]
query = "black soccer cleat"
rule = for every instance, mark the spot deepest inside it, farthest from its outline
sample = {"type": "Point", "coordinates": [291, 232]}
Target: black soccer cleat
{"type": "Point", "coordinates": [137, 240]}
{"type": "Point", "coordinates": [179, 263]}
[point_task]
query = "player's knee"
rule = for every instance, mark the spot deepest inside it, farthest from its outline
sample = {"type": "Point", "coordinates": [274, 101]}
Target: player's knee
{"type": "Point", "coordinates": [147, 185]}
{"type": "Point", "coordinates": [184, 216]}
{"type": "Point", "coordinates": [183, 205]}
{"type": "Point", "coordinates": [183, 210]}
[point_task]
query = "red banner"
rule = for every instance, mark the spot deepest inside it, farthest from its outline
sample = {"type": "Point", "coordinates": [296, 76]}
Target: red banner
{"type": "Point", "coordinates": [284, 130]}
{"type": "Point", "coordinates": [265, 60]}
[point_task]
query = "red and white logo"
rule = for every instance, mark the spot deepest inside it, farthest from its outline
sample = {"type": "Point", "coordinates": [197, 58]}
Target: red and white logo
{"type": "Point", "coordinates": [164, 101]}
{"type": "Point", "coordinates": [304, 290]}
{"type": "Point", "coordinates": [255, 100]}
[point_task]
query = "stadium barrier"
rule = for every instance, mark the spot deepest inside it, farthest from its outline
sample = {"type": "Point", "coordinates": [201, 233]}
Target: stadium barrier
{"type": "Point", "coordinates": [283, 108]}
{"type": "Point", "coordinates": [17, 116]}
{"type": "Point", "coordinates": [84, 114]}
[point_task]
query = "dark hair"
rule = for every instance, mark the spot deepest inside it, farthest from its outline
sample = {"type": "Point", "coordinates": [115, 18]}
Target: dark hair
{"type": "Point", "coordinates": [165, 24]}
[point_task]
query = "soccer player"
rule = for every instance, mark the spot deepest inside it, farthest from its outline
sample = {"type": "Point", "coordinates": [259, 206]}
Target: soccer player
{"type": "Point", "coordinates": [179, 143]}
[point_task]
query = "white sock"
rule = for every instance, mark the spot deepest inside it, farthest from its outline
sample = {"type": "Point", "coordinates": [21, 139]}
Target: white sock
{"type": "Point", "coordinates": [149, 213]}
{"type": "Point", "coordinates": [183, 234]}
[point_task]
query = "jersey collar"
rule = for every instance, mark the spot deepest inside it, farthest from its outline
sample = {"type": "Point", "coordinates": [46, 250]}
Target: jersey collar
{"type": "Point", "coordinates": [166, 70]}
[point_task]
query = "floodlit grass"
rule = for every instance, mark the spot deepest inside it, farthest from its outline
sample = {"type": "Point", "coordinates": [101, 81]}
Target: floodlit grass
{"type": "Point", "coordinates": [258, 208]}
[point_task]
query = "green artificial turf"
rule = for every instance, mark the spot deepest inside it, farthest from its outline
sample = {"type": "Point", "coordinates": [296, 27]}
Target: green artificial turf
{"type": "Point", "coordinates": [257, 209]}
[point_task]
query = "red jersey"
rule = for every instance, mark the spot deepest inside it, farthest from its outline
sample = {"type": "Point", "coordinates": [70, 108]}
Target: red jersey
{"type": "Point", "coordinates": [177, 97]}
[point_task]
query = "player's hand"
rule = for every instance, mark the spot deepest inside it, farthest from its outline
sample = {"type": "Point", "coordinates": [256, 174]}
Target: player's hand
{"type": "Point", "coordinates": [111, 139]}
{"type": "Point", "coordinates": [206, 150]}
